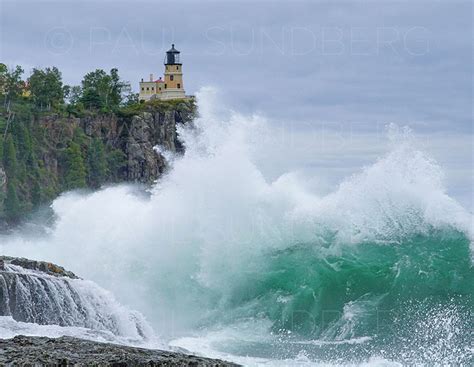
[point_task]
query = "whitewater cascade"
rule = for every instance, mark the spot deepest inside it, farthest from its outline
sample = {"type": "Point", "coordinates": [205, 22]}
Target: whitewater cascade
{"type": "Point", "coordinates": [39, 293]}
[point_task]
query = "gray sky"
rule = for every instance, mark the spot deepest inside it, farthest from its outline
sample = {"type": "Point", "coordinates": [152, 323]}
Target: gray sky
{"type": "Point", "coordinates": [348, 67]}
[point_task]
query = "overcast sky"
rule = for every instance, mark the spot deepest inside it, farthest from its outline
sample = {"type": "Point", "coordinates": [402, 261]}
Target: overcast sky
{"type": "Point", "coordinates": [344, 66]}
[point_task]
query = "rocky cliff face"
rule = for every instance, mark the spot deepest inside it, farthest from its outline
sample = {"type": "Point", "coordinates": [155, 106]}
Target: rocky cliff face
{"type": "Point", "coordinates": [146, 131]}
{"type": "Point", "coordinates": [136, 135]}
{"type": "Point", "coordinates": [53, 153]}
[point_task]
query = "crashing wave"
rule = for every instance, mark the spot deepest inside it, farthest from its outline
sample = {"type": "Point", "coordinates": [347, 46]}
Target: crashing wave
{"type": "Point", "coordinates": [216, 243]}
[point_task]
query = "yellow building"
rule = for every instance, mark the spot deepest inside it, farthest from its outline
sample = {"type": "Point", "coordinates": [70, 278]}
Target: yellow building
{"type": "Point", "coordinates": [25, 91]}
{"type": "Point", "coordinates": [172, 85]}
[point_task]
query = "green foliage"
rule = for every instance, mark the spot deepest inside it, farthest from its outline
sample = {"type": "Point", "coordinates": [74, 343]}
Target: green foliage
{"type": "Point", "coordinates": [36, 194]}
{"type": "Point", "coordinates": [12, 203]}
{"type": "Point", "coordinates": [10, 162]}
{"type": "Point", "coordinates": [116, 162]}
{"type": "Point", "coordinates": [97, 162]}
{"type": "Point", "coordinates": [76, 109]}
{"type": "Point", "coordinates": [46, 88]}
{"type": "Point", "coordinates": [23, 141]}
{"type": "Point", "coordinates": [102, 91]}
{"type": "Point", "coordinates": [45, 152]}
{"type": "Point", "coordinates": [11, 83]}
{"type": "Point", "coordinates": [75, 176]}
{"type": "Point", "coordinates": [74, 94]}
{"type": "Point", "coordinates": [3, 77]}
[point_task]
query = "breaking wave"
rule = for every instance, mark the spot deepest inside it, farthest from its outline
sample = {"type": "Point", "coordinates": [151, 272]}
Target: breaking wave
{"type": "Point", "coordinates": [223, 261]}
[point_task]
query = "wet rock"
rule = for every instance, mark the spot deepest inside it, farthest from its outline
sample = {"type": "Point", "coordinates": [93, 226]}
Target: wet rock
{"type": "Point", "coordinates": [42, 266]}
{"type": "Point", "coordinates": [68, 351]}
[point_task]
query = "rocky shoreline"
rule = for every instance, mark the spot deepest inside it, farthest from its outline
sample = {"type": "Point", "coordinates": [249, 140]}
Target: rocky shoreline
{"type": "Point", "coordinates": [42, 293]}
{"type": "Point", "coordinates": [68, 351]}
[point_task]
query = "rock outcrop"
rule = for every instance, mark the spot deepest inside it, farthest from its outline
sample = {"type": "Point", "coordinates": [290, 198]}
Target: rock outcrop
{"type": "Point", "coordinates": [146, 131]}
{"type": "Point", "coordinates": [41, 266]}
{"type": "Point", "coordinates": [42, 293]}
{"type": "Point", "coordinates": [67, 351]}
{"type": "Point", "coordinates": [46, 294]}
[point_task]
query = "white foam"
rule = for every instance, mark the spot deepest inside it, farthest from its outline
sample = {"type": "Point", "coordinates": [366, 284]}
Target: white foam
{"type": "Point", "coordinates": [10, 328]}
{"type": "Point", "coordinates": [212, 216]}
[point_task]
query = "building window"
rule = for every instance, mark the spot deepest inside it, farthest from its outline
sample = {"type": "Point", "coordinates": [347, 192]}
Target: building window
{"type": "Point", "coordinates": [152, 88]}
{"type": "Point", "coordinates": [177, 67]}
{"type": "Point", "coordinates": [143, 88]}
{"type": "Point", "coordinates": [160, 88]}
{"type": "Point", "coordinates": [166, 86]}
{"type": "Point", "coordinates": [179, 85]}
{"type": "Point", "coordinates": [171, 77]}
{"type": "Point", "coordinates": [147, 88]}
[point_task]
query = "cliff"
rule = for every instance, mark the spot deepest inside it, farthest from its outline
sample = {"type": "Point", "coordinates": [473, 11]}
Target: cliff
{"type": "Point", "coordinates": [134, 133]}
{"type": "Point", "coordinates": [46, 154]}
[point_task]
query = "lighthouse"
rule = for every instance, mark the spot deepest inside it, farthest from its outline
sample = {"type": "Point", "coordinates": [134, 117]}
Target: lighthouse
{"type": "Point", "coordinates": [172, 85]}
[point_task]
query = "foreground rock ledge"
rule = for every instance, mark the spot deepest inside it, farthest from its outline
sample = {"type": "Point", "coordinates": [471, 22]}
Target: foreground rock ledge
{"type": "Point", "coordinates": [68, 351]}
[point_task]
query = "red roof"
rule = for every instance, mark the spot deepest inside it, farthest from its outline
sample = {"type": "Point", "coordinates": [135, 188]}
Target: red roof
{"type": "Point", "coordinates": [159, 81]}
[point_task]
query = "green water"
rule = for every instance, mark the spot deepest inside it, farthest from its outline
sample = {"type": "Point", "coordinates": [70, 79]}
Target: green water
{"type": "Point", "coordinates": [410, 301]}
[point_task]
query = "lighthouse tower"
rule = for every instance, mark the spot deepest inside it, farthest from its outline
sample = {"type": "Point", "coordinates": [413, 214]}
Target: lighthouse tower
{"type": "Point", "coordinates": [173, 87]}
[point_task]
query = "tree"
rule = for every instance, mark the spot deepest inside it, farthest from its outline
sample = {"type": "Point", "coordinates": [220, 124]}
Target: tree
{"type": "Point", "coordinates": [46, 88]}
{"type": "Point", "coordinates": [97, 163]}
{"type": "Point", "coordinates": [24, 145]}
{"type": "Point", "coordinates": [131, 99]}
{"type": "Point", "coordinates": [73, 94]}
{"type": "Point", "coordinates": [3, 77]}
{"type": "Point", "coordinates": [10, 161]}
{"type": "Point", "coordinates": [36, 194]}
{"type": "Point", "coordinates": [118, 88]}
{"type": "Point", "coordinates": [12, 84]}
{"type": "Point", "coordinates": [75, 176]}
{"type": "Point", "coordinates": [12, 204]}
{"type": "Point", "coordinates": [103, 91]}
{"type": "Point", "coordinates": [96, 88]}
{"type": "Point", "coordinates": [116, 161]}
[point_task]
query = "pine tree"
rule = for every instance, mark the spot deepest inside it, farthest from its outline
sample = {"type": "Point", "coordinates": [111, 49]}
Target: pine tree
{"type": "Point", "coordinates": [97, 163]}
{"type": "Point", "coordinates": [36, 194]}
{"type": "Point", "coordinates": [10, 161]}
{"type": "Point", "coordinates": [75, 176]}
{"type": "Point", "coordinates": [12, 204]}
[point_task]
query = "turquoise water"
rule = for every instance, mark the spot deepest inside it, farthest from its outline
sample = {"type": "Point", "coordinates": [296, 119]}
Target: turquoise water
{"type": "Point", "coordinates": [410, 302]}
